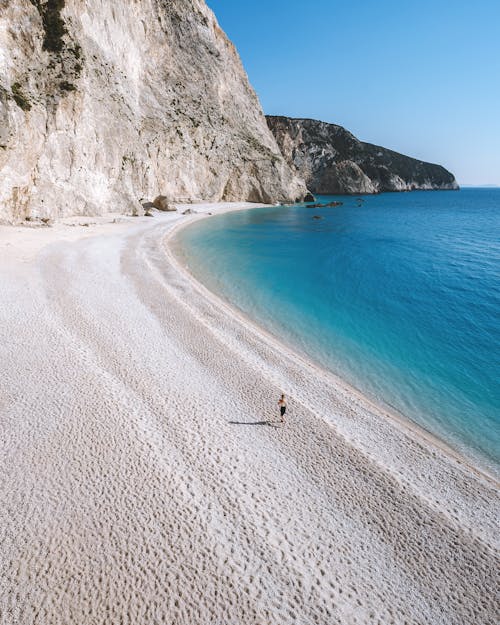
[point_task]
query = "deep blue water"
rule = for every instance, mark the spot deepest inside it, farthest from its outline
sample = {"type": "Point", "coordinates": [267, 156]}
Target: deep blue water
{"type": "Point", "coordinates": [400, 296]}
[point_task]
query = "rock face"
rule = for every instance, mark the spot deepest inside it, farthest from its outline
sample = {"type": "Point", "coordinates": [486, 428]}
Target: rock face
{"type": "Point", "coordinates": [331, 160]}
{"type": "Point", "coordinates": [106, 105]}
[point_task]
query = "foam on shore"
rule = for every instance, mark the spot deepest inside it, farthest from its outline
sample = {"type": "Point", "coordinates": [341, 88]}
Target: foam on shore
{"type": "Point", "coordinates": [146, 479]}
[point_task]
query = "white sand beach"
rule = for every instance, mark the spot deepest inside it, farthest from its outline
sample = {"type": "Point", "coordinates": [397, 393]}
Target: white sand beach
{"type": "Point", "coordinates": [145, 479]}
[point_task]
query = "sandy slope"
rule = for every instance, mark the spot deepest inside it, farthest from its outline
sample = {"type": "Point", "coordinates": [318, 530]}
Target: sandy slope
{"type": "Point", "coordinates": [138, 485]}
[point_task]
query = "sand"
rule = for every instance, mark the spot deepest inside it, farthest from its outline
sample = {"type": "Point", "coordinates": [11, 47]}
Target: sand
{"type": "Point", "coordinates": [145, 479]}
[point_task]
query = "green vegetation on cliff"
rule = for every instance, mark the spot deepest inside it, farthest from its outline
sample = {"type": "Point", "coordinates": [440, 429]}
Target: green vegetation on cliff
{"type": "Point", "coordinates": [53, 24]}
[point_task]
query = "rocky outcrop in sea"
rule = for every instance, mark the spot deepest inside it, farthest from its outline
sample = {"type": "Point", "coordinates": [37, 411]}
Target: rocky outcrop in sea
{"type": "Point", "coordinates": [106, 105]}
{"type": "Point", "coordinates": [333, 161]}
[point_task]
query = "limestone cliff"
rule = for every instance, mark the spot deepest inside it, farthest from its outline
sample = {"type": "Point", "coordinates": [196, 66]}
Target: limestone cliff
{"type": "Point", "coordinates": [331, 160]}
{"type": "Point", "coordinates": [104, 104]}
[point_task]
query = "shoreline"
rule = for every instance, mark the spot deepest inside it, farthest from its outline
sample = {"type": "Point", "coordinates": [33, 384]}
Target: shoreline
{"type": "Point", "coordinates": [175, 252]}
{"type": "Point", "coordinates": [146, 476]}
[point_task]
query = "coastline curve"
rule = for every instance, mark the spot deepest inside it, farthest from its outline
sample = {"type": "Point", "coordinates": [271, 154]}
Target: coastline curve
{"type": "Point", "coordinates": [387, 437]}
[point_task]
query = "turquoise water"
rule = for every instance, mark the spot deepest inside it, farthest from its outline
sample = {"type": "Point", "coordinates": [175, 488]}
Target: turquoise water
{"type": "Point", "coordinates": [400, 296]}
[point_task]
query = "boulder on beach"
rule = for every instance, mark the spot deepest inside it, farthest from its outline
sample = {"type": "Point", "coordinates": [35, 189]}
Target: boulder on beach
{"type": "Point", "coordinates": [162, 204]}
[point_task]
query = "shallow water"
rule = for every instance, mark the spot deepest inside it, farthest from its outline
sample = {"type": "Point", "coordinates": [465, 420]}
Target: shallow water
{"type": "Point", "coordinates": [398, 294]}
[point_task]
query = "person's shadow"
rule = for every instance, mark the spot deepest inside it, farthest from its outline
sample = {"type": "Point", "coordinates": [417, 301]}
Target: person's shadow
{"type": "Point", "coordinates": [270, 423]}
{"type": "Point", "coordinates": [249, 422]}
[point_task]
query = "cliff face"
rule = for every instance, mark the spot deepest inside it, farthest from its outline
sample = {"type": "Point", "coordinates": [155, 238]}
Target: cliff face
{"type": "Point", "coordinates": [104, 104]}
{"type": "Point", "coordinates": [332, 161]}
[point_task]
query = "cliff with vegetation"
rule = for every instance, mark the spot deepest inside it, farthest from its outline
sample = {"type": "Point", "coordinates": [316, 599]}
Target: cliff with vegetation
{"type": "Point", "coordinates": [332, 161]}
{"type": "Point", "coordinates": [105, 105]}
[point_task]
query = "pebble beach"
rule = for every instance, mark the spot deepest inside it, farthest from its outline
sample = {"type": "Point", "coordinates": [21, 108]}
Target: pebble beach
{"type": "Point", "coordinates": [146, 479]}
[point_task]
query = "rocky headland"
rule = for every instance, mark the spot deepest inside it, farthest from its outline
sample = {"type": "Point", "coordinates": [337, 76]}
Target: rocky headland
{"type": "Point", "coordinates": [331, 160]}
{"type": "Point", "coordinates": [106, 105]}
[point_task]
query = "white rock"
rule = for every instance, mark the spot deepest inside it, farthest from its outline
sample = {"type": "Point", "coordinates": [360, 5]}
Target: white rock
{"type": "Point", "coordinates": [144, 98]}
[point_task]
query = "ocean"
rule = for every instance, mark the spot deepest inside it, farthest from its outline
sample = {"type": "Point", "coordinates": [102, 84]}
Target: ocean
{"type": "Point", "coordinates": [398, 294]}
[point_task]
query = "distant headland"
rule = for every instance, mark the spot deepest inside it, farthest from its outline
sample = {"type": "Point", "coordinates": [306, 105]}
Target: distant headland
{"type": "Point", "coordinates": [331, 160]}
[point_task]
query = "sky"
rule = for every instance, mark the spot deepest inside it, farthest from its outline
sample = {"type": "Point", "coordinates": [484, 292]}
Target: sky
{"type": "Point", "coordinates": [421, 78]}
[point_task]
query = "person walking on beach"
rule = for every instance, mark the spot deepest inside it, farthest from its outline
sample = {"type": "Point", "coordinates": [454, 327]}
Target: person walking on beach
{"type": "Point", "coordinates": [282, 406]}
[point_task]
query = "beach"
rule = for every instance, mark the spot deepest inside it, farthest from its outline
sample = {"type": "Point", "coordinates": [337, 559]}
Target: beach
{"type": "Point", "coordinates": [146, 477]}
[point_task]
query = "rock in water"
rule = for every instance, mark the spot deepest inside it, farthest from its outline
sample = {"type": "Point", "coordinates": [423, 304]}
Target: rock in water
{"type": "Point", "coordinates": [332, 161]}
{"type": "Point", "coordinates": [104, 103]}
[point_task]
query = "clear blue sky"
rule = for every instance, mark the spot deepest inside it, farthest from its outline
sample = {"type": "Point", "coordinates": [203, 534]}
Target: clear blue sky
{"type": "Point", "coordinates": [422, 78]}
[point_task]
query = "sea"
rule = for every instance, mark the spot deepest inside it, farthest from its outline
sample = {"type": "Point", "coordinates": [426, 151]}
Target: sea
{"type": "Point", "coordinates": [397, 293]}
